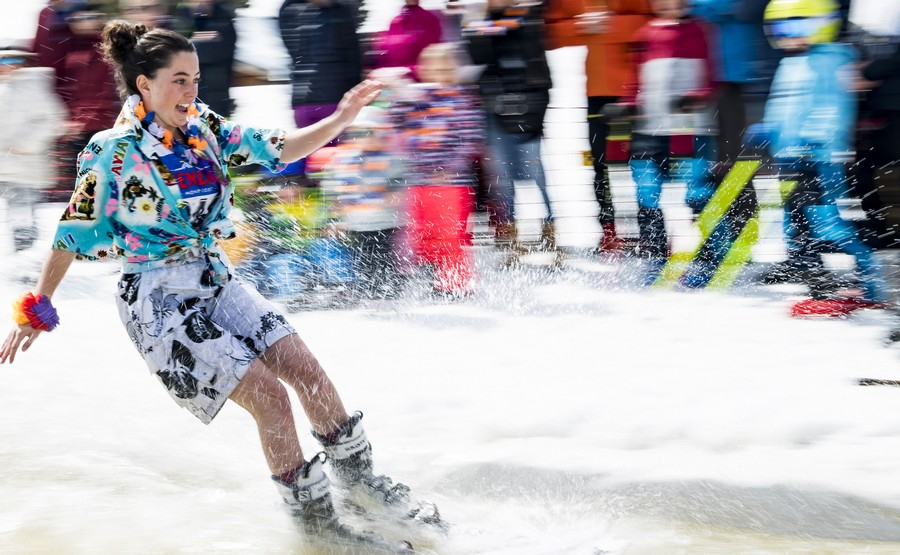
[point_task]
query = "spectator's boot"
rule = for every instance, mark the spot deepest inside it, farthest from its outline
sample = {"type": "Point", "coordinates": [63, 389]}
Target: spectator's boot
{"type": "Point", "coordinates": [507, 239]}
{"type": "Point", "coordinates": [610, 243]}
{"type": "Point", "coordinates": [548, 243]}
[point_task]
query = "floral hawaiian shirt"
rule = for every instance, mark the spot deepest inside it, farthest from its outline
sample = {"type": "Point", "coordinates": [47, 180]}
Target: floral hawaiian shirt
{"type": "Point", "coordinates": [129, 204]}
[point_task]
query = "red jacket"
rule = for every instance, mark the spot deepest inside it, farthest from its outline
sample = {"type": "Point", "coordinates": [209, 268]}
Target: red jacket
{"type": "Point", "coordinates": [89, 87]}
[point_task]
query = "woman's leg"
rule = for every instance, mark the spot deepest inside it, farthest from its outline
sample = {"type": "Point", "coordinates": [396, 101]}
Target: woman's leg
{"type": "Point", "coordinates": [264, 397]}
{"type": "Point", "coordinates": [291, 360]}
{"type": "Point", "coordinates": [303, 486]}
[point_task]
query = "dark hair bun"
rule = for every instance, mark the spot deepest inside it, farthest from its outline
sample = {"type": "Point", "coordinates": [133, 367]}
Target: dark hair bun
{"type": "Point", "coordinates": [120, 38]}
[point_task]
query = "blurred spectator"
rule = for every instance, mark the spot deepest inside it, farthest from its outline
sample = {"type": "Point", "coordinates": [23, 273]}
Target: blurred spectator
{"type": "Point", "coordinates": [85, 83]}
{"type": "Point", "coordinates": [453, 17]}
{"type": "Point", "coordinates": [876, 32]}
{"type": "Point", "coordinates": [364, 178]}
{"type": "Point", "coordinates": [443, 130]}
{"type": "Point", "coordinates": [875, 27]}
{"type": "Point", "coordinates": [151, 13]}
{"type": "Point", "coordinates": [89, 89]}
{"type": "Point", "coordinates": [673, 102]}
{"type": "Point", "coordinates": [296, 256]}
{"type": "Point", "coordinates": [321, 38]}
{"type": "Point", "coordinates": [809, 123]}
{"type": "Point", "coordinates": [745, 67]}
{"type": "Point", "coordinates": [51, 38]}
{"type": "Point", "coordinates": [409, 33]}
{"type": "Point", "coordinates": [30, 116]}
{"type": "Point", "coordinates": [607, 28]}
{"type": "Point", "coordinates": [515, 88]}
{"type": "Point", "coordinates": [211, 29]}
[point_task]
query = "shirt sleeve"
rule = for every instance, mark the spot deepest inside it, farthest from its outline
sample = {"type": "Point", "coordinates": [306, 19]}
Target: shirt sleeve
{"type": "Point", "coordinates": [86, 226]}
{"type": "Point", "coordinates": [241, 145]}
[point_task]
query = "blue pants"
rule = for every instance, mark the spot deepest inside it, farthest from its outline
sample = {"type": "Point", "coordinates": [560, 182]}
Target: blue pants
{"type": "Point", "coordinates": [652, 164]}
{"type": "Point", "coordinates": [812, 219]}
{"type": "Point", "coordinates": [516, 158]}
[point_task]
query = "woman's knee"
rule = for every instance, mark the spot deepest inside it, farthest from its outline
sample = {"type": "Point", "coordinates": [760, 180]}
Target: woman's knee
{"type": "Point", "coordinates": [262, 394]}
{"type": "Point", "coordinates": [290, 359]}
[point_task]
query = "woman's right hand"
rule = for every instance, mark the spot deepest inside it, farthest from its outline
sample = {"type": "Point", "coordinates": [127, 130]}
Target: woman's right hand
{"type": "Point", "coordinates": [20, 336]}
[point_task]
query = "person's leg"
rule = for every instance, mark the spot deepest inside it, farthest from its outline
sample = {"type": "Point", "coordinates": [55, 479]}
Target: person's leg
{"type": "Point", "coordinates": [291, 361]}
{"type": "Point", "coordinates": [598, 132]}
{"type": "Point", "coordinates": [732, 119]}
{"type": "Point", "coordinates": [453, 272]}
{"type": "Point", "coordinates": [804, 250]}
{"type": "Point", "coordinates": [303, 485]}
{"type": "Point", "coordinates": [500, 164]}
{"type": "Point", "coordinates": [700, 184]}
{"type": "Point", "coordinates": [343, 437]}
{"type": "Point", "coordinates": [827, 225]}
{"type": "Point", "coordinates": [529, 166]}
{"type": "Point", "coordinates": [648, 160]}
{"type": "Point", "coordinates": [262, 395]}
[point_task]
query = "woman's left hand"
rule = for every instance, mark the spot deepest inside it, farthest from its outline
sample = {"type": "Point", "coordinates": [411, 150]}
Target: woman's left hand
{"type": "Point", "coordinates": [22, 336]}
{"type": "Point", "coordinates": [356, 99]}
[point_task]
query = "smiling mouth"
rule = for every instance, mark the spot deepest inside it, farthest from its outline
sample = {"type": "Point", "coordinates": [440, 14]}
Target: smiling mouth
{"type": "Point", "coordinates": [182, 108]}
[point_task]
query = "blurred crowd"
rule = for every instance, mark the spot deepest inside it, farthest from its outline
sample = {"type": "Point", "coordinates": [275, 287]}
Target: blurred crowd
{"type": "Point", "coordinates": [705, 92]}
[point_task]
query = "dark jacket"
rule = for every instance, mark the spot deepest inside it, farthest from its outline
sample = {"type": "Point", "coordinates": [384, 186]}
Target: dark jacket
{"type": "Point", "coordinates": [886, 69]}
{"type": "Point", "coordinates": [216, 57]}
{"type": "Point", "coordinates": [324, 47]}
{"type": "Point", "coordinates": [516, 80]}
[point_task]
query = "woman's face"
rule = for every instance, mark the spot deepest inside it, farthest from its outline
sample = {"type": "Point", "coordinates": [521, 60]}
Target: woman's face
{"type": "Point", "coordinates": [148, 12]}
{"type": "Point", "coordinates": [438, 69]}
{"type": "Point", "coordinates": [172, 91]}
{"type": "Point", "coordinates": [669, 9]}
{"type": "Point", "coordinates": [86, 22]}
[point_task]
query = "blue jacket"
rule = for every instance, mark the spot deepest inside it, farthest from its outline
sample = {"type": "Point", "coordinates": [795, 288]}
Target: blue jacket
{"type": "Point", "coordinates": [128, 204]}
{"type": "Point", "coordinates": [743, 52]}
{"type": "Point", "coordinates": [811, 111]}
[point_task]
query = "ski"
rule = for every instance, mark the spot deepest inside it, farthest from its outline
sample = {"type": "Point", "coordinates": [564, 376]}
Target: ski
{"type": "Point", "coordinates": [420, 523]}
{"type": "Point", "coordinates": [877, 381]}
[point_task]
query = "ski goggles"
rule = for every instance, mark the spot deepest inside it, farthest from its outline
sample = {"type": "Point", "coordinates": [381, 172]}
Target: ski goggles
{"type": "Point", "coordinates": [799, 27]}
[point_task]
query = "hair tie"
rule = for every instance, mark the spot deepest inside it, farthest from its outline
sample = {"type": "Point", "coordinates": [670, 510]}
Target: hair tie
{"type": "Point", "coordinates": [35, 311]}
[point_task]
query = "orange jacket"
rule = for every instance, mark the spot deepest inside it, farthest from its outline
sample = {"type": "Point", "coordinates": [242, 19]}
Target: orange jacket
{"type": "Point", "coordinates": [609, 65]}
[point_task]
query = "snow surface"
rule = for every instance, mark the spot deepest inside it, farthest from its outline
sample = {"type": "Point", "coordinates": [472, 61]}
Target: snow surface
{"type": "Point", "coordinates": [552, 413]}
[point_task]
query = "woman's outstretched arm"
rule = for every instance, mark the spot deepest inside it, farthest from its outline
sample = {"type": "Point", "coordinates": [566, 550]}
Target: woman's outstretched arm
{"type": "Point", "coordinates": [304, 141]}
{"type": "Point", "coordinates": [55, 268]}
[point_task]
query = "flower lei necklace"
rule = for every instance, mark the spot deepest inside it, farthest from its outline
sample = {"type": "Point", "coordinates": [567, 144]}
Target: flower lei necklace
{"type": "Point", "coordinates": [194, 140]}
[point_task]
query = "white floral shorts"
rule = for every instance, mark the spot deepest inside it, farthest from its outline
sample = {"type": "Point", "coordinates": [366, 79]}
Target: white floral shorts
{"type": "Point", "coordinates": [198, 340]}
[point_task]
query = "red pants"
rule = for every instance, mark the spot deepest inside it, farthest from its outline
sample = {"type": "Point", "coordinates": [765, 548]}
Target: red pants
{"type": "Point", "coordinates": [439, 216]}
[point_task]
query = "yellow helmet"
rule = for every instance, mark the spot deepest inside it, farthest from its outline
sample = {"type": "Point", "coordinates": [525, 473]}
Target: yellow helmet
{"type": "Point", "coordinates": [817, 21]}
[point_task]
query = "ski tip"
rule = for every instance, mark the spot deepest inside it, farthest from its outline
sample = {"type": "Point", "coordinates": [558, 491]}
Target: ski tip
{"type": "Point", "coordinates": [876, 381]}
{"type": "Point", "coordinates": [426, 512]}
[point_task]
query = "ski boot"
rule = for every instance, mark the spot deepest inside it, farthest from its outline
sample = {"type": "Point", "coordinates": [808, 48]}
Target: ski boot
{"type": "Point", "coordinates": [309, 500]}
{"type": "Point", "coordinates": [350, 455]}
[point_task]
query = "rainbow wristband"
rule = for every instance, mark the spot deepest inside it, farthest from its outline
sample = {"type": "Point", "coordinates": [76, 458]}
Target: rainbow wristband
{"type": "Point", "coordinates": [35, 311]}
